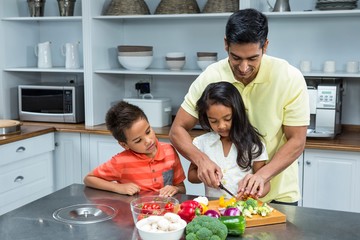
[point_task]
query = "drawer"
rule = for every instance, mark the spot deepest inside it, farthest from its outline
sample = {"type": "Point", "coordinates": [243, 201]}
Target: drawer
{"type": "Point", "coordinates": [26, 180]}
{"type": "Point", "coordinates": [26, 148]}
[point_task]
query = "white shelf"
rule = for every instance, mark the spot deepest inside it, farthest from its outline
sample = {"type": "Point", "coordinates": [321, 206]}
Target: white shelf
{"type": "Point", "coordinates": [76, 18]}
{"type": "Point", "coordinates": [54, 69]}
{"type": "Point", "coordinates": [167, 16]}
{"type": "Point", "coordinates": [292, 14]}
{"type": "Point", "coordinates": [336, 74]}
{"type": "Point", "coordinates": [184, 72]}
{"type": "Point", "coordinates": [314, 13]}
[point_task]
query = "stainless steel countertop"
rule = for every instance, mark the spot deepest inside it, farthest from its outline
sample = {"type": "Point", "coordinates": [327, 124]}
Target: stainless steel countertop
{"type": "Point", "coordinates": [35, 221]}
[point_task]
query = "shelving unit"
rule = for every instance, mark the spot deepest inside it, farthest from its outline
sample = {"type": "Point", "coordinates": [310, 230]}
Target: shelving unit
{"type": "Point", "coordinates": [295, 36]}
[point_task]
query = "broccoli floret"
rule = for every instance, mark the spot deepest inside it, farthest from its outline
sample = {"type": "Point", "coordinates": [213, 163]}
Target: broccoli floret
{"type": "Point", "coordinates": [206, 228]}
{"type": "Point", "coordinates": [252, 202]}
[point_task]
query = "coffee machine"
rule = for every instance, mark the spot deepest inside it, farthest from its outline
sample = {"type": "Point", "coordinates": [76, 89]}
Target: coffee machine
{"type": "Point", "coordinates": [325, 97]}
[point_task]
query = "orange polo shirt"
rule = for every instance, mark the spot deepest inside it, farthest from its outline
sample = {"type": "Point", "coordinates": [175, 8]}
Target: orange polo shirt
{"type": "Point", "coordinates": [150, 174]}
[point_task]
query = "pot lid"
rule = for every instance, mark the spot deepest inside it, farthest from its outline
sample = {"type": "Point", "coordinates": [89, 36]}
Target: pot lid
{"type": "Point", "coordinates": [9, 127]}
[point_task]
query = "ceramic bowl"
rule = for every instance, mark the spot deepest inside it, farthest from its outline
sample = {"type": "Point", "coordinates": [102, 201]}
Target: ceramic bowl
{"type": "Point", "coordinates": [206, 54]}
{"type": "Point", "coordinates": [138, 211]}
{"type": "Point", "coordinates": [135, 62]}
{"type": "Point", "coordinates": [175, 54]}
{"type": "Point", "coordinates": [140, 53]}
{"type": "Point", "coordinates": [204, 64]}
{"type": "Point", "coordinates": [168, 235]}
{"type": "Point", "coordinates": [134, 48]}
{"type": "Point", "coordinates": [174, 64]}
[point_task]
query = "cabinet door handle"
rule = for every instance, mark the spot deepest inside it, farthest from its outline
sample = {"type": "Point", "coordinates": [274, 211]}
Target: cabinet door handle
{"type": "Point", "coordinates": [308, 163]}
{"type": "Point", "coordinates": [19, 179]}
{"type": "Point", "coordinates": [20, 149]}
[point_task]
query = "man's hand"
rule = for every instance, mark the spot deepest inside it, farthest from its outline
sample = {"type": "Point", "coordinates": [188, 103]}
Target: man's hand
{"type": "Point", "coordinates": [208, 172]}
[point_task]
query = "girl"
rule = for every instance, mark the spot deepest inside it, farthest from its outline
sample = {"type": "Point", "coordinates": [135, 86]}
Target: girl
{"type": "Point", "coordinates": [231, 142]}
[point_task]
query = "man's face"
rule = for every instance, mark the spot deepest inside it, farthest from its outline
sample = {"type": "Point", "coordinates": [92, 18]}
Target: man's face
{"type": "Point", "coordinates": [245, 60]}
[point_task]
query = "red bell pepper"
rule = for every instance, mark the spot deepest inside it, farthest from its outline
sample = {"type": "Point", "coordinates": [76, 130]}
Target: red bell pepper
{"type": "Point", "coordinates": [189, 209]}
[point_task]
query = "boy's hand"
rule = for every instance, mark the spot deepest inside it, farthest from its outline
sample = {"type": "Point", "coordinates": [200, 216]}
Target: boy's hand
{"type": "Point", "coordinates": [168, 191]}
{"type": "Point", "coordinates": [128, 188]}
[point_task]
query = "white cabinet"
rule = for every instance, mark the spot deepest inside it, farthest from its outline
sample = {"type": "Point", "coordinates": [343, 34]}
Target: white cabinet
{"type": "Point", "coordinates": [26, 171]}
{"type": "Point", "coordinates": [102, 148]}
{"type": "Point", "coordinates": [68, 159]}
{"type": "Point", "coordinates": [331, 180]}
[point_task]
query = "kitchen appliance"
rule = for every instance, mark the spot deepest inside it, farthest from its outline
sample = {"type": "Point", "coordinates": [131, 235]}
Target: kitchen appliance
{"type": "Point", "coordinates": [157, 110]}
{"type": "Point", "coordinates": [325, 108]}
{"type": "Point", "coordinates": [51, 102]}
{"type": "Point", "coordinates": [280, 6]}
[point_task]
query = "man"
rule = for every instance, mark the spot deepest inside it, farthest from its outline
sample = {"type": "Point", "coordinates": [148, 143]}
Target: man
{"type": "Point", "coordinates": [276, 100]}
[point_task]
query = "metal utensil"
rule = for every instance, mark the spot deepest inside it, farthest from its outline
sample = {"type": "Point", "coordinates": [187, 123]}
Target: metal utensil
{"type": "Point", "coordinates": [221, 186]}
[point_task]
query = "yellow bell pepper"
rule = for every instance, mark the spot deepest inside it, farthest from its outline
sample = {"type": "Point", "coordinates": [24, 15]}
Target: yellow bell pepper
{"type": "Point", "coordinates": [204, 208]}
{"type": "Point", "coordinates": [225, 203]}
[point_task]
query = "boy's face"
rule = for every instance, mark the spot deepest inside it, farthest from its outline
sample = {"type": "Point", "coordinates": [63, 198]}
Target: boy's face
{"type": "Point", "coordinates": [140, 138]}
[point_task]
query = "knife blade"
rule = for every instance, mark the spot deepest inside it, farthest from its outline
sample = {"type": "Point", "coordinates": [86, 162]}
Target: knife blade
{"type": "Point", "coordinates": [221, 186]}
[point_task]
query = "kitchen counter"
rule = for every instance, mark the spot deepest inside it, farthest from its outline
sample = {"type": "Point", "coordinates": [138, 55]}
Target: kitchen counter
{"type": "Point", "coordinates": [348, 140]}
{"type": "Point", "coordinates": [35, 221]}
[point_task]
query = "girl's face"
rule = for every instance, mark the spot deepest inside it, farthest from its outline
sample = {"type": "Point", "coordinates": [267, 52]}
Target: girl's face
{"type": "Point", "coordinates": [220, 119]}
{"type": "Point", "coordinates": [140, 138]}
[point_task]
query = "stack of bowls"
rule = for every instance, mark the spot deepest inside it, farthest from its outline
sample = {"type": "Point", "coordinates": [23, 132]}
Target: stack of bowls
{"type": "Point", "coordinates": [175, 60]}
{"type": "Point", "coordinates": [204, 59]}
{"type": "Point", "coordinates": [133, 57]}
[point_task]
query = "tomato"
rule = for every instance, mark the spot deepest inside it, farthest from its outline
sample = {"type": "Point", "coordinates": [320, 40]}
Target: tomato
{"type": "Point", "coordinates": [169, 207]}
{"type": "Point", "coordinates": [148, 208]}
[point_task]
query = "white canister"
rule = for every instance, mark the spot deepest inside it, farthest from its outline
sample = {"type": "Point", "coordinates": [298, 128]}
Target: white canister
{"type": "Point", "coordinates": [329, 66]}
{"type": "Point", "coordinates": [352, 67]}
{"type": "Point", "coordinates": [71, 53]}
{"type": "Point", "coordinates": [43, 53]}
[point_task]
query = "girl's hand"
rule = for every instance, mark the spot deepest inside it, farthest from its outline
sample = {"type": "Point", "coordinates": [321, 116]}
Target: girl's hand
{"type": "Point", "coordinates": [128, 188]}
{"type": "Point", "coordinates": [251, 185]}
{"type": "Point", "coordinates": [168, 191]}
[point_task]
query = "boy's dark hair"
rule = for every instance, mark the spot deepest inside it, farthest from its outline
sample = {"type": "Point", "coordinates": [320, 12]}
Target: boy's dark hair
{"type": "Point", "coordinates": [247, 26]}
{"type": "Point", "coordinates": [120, 117]}
{"type": "Point", "coordinates": [243, 135]}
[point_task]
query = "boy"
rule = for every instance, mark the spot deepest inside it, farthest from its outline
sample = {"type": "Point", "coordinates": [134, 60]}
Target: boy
{"type": "Point", "coordinates": [145, 165]}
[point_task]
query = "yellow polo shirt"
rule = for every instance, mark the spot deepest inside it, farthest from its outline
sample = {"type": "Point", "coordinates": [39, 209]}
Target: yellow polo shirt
{"type": "Point", "coordinates": [277, 96]}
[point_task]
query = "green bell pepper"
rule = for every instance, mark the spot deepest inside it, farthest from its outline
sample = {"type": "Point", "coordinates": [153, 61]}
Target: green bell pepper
{"type": "Point", "coordinates": [235, 224]}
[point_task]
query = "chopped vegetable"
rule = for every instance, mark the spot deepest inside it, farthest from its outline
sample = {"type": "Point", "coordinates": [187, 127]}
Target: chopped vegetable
{"type": "Point", "coordinates": [189, 209]}
{"type": "Point", "coordinates": [226, 203]}
{"type": "Point", "coordinates": [212, 213]}
{"type": "Point", "coordinates": [235, 224]}
{"type": "Point", "coordinates": [205, 227]}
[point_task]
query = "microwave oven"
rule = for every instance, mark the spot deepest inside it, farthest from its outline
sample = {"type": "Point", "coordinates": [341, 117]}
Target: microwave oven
{"type": "Point", "coordinates": [51, 102]}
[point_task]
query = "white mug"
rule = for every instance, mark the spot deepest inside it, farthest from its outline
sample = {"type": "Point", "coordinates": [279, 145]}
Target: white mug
{"type": "Point", "coordinates": [43, 52]}
{"type": "Point", "coordinates": [329, 66]}
{"type": "Point", "coordinates": [305, 66]}
{"type": "Point", "coordinates": [71, 53]}
{"type": "Point", "coordinates": [352, 67]}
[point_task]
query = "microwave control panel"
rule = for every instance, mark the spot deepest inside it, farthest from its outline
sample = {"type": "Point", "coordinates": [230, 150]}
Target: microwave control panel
{"type": "Point", "coordinates": [326, 96]}
{"type": "Point", "coordinates": [68, 101]}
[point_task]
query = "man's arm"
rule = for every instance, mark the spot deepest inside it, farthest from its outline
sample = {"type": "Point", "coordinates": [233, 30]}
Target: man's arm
{"type": "Point", "coordinates": [284, 157]}
{"type": "Point", "coordinates": [208, 172]}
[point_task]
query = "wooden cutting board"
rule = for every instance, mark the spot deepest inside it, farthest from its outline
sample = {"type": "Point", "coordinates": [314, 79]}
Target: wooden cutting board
{"type": "Point", "coordinates": [274, 217]}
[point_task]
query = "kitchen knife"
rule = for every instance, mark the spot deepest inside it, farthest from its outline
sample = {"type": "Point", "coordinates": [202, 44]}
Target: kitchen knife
{"type": "Point", "coordinates": [221, 186]}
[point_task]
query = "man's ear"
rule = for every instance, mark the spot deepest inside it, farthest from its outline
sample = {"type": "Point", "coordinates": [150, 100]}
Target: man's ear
{"type": "Point", "coordinates": [124, 145]}
{"type": "Point", "coordinates": [226, 45]}
{"type": "Point", "coordinates": [266, 44]}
